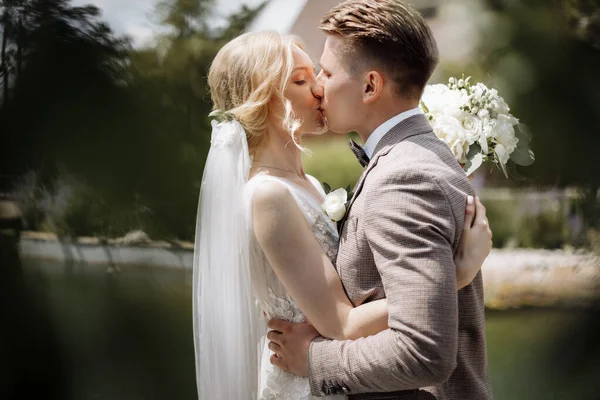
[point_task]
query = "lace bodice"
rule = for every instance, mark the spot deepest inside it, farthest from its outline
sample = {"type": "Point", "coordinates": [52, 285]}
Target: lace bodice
{"type": "Point", "coordinates": [271, 294]}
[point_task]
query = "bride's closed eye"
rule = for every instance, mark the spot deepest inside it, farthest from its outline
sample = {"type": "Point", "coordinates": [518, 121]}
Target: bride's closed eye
{"type": "Point", "coordinates": [300, 82]}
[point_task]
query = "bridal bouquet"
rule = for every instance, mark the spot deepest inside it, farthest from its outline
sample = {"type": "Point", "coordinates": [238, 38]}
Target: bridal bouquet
{"type": "Point", "coordinates": [476, 123]}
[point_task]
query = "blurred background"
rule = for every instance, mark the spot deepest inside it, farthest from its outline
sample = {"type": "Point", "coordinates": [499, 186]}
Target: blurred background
{"type": "Point", "coordinates": [104, 131]}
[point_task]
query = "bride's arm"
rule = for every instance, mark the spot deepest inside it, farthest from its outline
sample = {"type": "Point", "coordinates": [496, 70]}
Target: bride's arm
{"type": "Point", "coordinates": [310, 278]}
{"type": "Point", "coordinates": [306, 271]}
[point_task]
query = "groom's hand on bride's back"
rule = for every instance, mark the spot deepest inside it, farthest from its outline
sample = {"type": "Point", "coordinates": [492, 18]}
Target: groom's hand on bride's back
{"type": "Point", "coordinates": [290, 342]}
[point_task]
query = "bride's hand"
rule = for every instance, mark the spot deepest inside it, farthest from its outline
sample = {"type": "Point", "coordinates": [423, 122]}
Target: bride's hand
{"type": "Point", "coordinates": [475, 243]}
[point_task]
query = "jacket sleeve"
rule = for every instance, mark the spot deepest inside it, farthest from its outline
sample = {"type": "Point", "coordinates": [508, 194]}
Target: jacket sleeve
{"type": "Point", "coordinates": [410, 229]}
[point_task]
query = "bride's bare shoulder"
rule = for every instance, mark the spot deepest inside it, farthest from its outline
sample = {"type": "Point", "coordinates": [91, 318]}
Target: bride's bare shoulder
{"type": "Point", "coordinates": [275, 212]}
{"type": "Point", "coordinates": [270, 195]}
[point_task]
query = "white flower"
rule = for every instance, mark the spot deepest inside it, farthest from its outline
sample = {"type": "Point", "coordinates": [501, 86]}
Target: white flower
{"type": "Point", "coordinates": [498, 105]}
{"type": "Point", "coordinates": [335, 204]}
{"type": "Point", "coordinates": [451, 131]}
{"type": "Point", "coordinates": [508, 118]}
{"type": "Point", "coordinates": [502, 154]}
{"type": "Point", "coordinates": [462, 114]}
{"type": "Point", "coordinates": [477, 92]}
{"type": "Point", "coordinates": [472, 126]}
{"type": "Point", "coordinates": [483, 139]}
{"type": "Point", "coordinates": [441, 100]}
{"type": "Point", "coordinates": [504, 133]}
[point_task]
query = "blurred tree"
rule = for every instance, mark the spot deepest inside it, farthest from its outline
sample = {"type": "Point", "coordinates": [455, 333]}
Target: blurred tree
{"type": "Point", "coordinates": [186, 17]}
{"type": "Point", "coordinates": [61, 66]}
{"type": "Point", "coordinates": [170, 83]}
{"type": "Point", "coordinates": [129, 125]}
{"type": "Point", "coordinates": [546, 55]}
{"type": "Point", "coordinates": [583, 17]}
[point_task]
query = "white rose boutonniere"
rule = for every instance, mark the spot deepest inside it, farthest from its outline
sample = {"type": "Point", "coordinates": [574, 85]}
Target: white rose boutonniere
{"type": "Point", "coordinates": [335, 202]}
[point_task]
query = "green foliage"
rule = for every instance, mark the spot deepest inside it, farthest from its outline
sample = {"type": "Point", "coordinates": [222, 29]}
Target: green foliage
{"type": "Point", "coordinates": [131, 124]}
{"type": "Point", "coordinates": [332, 162]}
{"type": "Point", "coordinates": [593, 239]}
{"type": "Point", "coordinates": [546, 231]}
{"type": "Point", "coordinates": [504, 222]}
{"type": "Point", "coordinates": [584, 20]}
{"type": "Point", "coordinates": [557, 97]}
{"type": "Point", "coordinates": [186, 17]}
{"type": "Point", "coordinates": [515, 225]}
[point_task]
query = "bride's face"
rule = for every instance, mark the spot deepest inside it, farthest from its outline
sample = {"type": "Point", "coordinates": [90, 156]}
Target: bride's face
{"type": "Point", "coordinates": [300, 90]}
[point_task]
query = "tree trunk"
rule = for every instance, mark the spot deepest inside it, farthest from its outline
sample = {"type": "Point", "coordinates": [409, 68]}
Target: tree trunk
{"type": "Point", "coordinates": [4, 65]}
{"type": "Point", "coordinates": [19, 51]}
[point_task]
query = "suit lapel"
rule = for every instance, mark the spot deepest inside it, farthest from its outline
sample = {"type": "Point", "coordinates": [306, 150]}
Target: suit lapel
{"type": "Point", "coordinates": [414, 125]}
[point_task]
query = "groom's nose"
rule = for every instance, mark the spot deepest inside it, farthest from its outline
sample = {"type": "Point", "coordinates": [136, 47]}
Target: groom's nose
{"type": "Point", "coordinates": [317, 90]}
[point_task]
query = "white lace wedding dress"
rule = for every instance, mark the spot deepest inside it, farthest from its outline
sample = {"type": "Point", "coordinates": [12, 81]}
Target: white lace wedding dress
{"type": "Point", "coordinates": [272, 296]}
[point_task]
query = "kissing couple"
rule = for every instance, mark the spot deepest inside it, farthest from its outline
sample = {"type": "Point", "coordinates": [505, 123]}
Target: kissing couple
{"type": "Point", "coordinates": [387, 302]}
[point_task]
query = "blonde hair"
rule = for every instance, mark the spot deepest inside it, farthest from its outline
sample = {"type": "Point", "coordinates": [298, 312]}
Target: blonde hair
{"type": "Point", "coordinates": [246, 74]}
{"type": "Point", "coordinates": [389, 33]}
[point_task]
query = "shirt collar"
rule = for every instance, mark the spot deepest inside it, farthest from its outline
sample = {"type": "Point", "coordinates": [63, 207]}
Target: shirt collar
{"type": "Point", "coordinates": [384, 128]}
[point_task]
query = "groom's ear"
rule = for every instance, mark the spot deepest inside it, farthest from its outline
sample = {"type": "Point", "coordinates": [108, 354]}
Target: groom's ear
{"type": "Point", "coordinates": [373, 86]}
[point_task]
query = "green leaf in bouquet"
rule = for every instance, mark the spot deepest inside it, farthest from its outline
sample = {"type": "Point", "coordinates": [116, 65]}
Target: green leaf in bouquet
{"type": "Point", "coordinates": [350, 195]}
{"type": "Point", "coordinates": [513, 172]}
{"type": "Point", "coordinates": [472, 164]}
{"type": "Point", "coordinates": [523, 133]}
{"type": "Point", "coordinates": [424, 107]}
{"type": "Point", "coordinates": [522, 156]}
{"type": "Point", "coordinates": [326, 187]}
{"type": "Point", "coordinates": [474, 149]}
{"type": "Point", "coordinates": [348, 189]}
{"type": "Point", "coordinates": [502, 167]}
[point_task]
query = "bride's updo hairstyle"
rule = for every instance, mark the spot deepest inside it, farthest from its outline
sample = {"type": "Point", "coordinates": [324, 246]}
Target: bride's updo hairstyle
{"type": "Point", "coordinates": [246, 74]}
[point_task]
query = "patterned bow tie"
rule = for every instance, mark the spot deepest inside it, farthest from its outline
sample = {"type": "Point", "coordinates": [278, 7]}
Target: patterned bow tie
{"type": "Point", "coordinates": [359, 152]}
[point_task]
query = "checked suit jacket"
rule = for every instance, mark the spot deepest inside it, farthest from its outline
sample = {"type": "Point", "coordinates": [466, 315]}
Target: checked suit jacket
{"type": "Point", "coordinates": [397, 241]}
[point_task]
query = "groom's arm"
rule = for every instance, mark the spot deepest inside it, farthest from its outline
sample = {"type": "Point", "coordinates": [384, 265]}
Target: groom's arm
{"type": "Point", "coordinates": [410, 229]}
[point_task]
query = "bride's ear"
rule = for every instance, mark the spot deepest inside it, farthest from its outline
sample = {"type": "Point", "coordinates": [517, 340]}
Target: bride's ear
{"type": "Point", "coordinates": [372, 86]}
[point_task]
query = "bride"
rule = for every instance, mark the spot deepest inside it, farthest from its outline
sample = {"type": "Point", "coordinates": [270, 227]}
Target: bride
{"type": "Point", "coordinates": [254, 196]}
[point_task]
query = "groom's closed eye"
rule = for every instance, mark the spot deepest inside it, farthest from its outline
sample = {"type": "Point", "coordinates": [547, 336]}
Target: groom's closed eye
{"type": "Point", "coordinates": [322, 70]}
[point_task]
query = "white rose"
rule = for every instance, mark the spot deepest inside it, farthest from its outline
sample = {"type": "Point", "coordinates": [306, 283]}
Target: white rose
{"type": "Point", "coordinates": [508, 118]}
{"type": "Point", "coordinates": [504, 133]}
{"type": "Point", "coordinates": [472, 126]}
{"type": "Point", "coordinates": [498, 104]}
{"type": "Point", "coordinates": [450, 130]}
{"type": "Point", "coordinates": [483, 114]}
{"type": "Point", "coordinates": [441, 100]}
{"type": "Point", "coordinates": [335, 204]}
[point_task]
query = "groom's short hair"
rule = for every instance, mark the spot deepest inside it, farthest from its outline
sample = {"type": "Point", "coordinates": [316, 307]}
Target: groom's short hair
{"type": "Point", "coordinates": [388, 34]}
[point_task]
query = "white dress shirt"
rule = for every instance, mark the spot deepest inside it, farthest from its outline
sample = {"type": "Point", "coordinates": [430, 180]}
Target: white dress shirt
{"type": "Point", "coordinates": [384, 128]}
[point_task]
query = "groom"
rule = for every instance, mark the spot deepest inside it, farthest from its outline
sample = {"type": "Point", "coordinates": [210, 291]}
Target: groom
{"type": "Point", "coordinates": [402, 226]}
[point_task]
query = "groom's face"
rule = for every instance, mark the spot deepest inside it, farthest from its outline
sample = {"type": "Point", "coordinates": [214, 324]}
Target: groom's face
{"type": "Point", "coordinates": [341, 91]}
